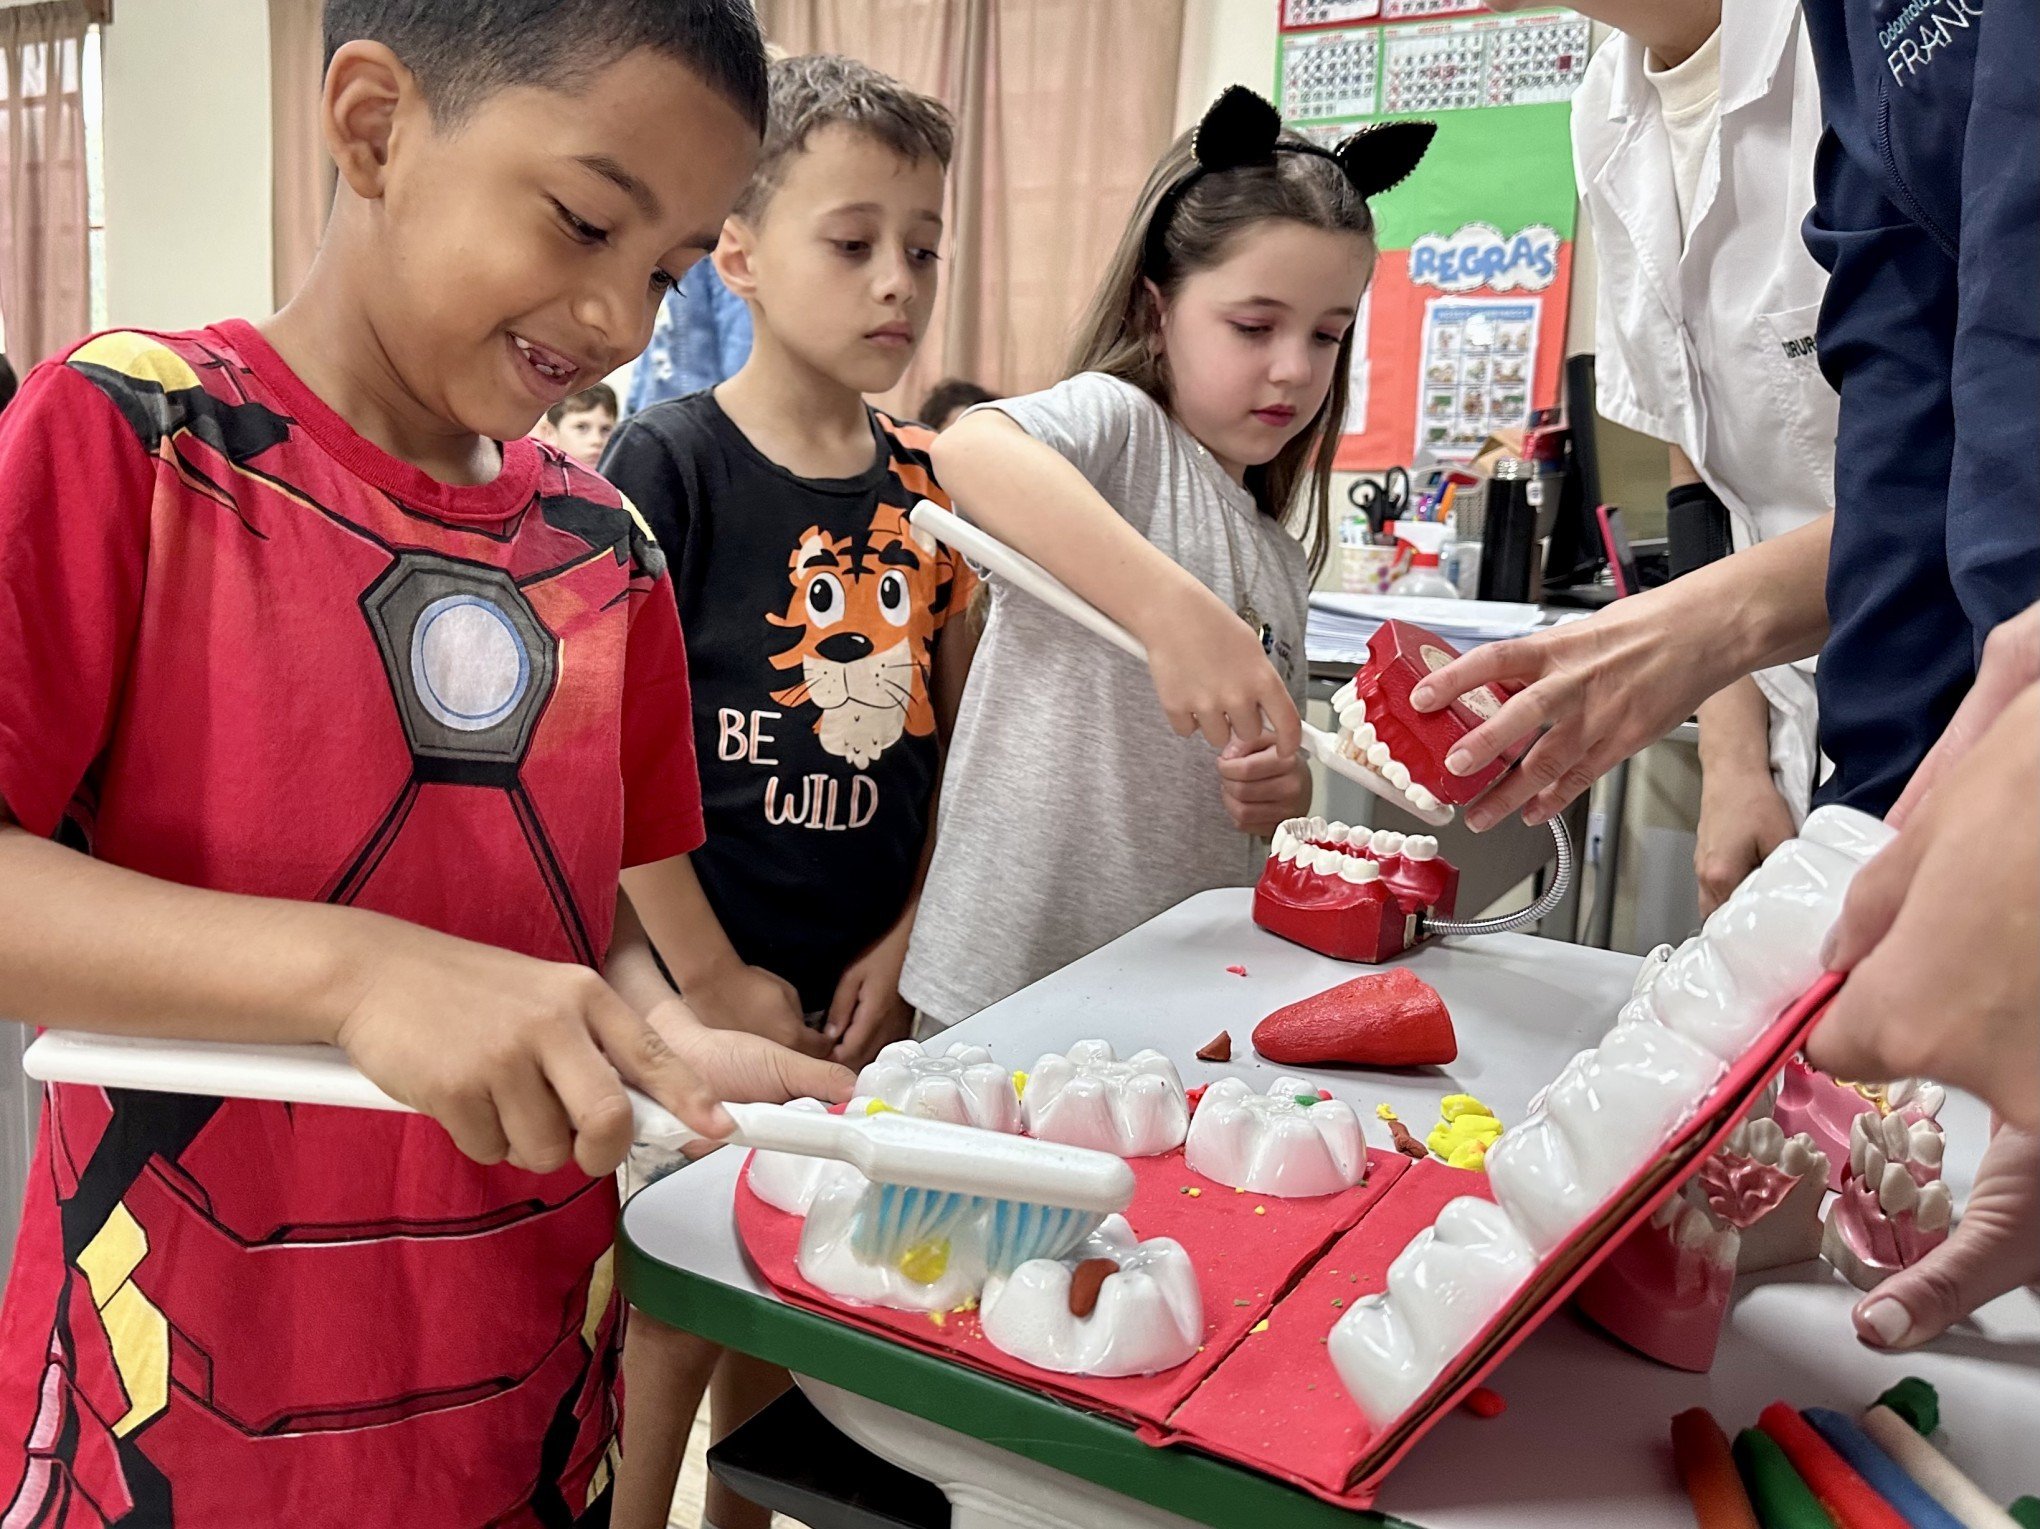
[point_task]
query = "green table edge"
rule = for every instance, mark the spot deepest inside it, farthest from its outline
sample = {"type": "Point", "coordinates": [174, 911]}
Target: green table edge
{"type": "Point", "coordinates": [1097, 1449]}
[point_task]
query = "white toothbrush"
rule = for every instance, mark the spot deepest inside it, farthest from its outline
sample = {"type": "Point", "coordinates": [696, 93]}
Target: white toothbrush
{"type": "Point", "coordinates": [1042, 1198]}
{"type": "Point", "coordinates": [981, 547]}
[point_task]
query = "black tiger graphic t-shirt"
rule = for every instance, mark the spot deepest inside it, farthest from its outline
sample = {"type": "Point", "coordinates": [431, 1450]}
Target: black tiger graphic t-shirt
{"type": "Point", "coordinates": [811, 610]}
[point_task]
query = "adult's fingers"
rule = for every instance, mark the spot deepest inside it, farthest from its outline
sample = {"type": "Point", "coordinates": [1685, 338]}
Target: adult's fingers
{"type": "Point", "coordinates": [1518, 659]}
{"type": "Point", "coordinates": [1534, 773]}
{"type": "Point", "coordinates": [1546, 704]}
{"type": "Point", "coordinates": [1872, 902]}
{"type": "Point", "coordinates": [2011, 662]}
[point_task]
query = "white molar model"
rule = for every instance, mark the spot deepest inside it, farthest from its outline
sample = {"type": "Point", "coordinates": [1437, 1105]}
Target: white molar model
{"type": "Point", "coordinates": [785, 1180]}
{"type": "Point", "coordinates": [1453, 1276]}
{"type": "Point", "coordinates": [1148, 1315]}
{"type": "Point", "coordinates": [1087, 1097]}
{"type": "Point", "coordinates": [1610, 1110]}
{"type": "Point", "coordinates": [942, 1274]}
{"type": "Point", "coordinates": [961, 1085]}
{"type": "Point", "coordinates": [1286, 1142]}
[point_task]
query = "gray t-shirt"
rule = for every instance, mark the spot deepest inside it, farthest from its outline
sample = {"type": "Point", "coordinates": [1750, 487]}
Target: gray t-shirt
{"type": "Point", "coordinates": [1070, 811]}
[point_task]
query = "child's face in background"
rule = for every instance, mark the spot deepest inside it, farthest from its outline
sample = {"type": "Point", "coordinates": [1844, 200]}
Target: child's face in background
{"type": "Point", "coordinates": [521, 254]}
{"type": "Point", "coordinates": [583, 433]}
{"type": "Point", "coordinates": [841, 260]}
{"type": "Point", "coordinates": [1251, 342]}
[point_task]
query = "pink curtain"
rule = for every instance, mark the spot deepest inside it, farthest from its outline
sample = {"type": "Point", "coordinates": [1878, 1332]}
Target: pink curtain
{"type": "Point", "coordinates": [1062, 107]}
{"type": "Point", "coordinates": [300, 174]}
{"type": "Point", "coordinates": [45, 235]}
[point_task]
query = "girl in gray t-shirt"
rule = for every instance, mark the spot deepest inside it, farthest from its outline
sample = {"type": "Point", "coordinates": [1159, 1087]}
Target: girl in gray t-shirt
{"type": "Point", "coordinates": [1166, 482]}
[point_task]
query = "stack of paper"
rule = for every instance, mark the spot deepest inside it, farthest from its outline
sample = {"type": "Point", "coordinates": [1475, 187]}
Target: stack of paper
{"type": "Point", "coordinates": [1340, 624]}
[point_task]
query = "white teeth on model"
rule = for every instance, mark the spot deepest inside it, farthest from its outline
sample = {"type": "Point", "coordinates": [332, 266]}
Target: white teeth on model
{"type": "Point", "coordinates": [1273, 1143]}
{"type": "Point", "coordinates": [938, 1275]}
{"type": "Point", "coordinates": [962, 1085]}
{"type": "Point", "coordinates": [1420, 846]}
{"type": "Point", "coordinates": [1148, 1316]}
{"type": "Point", "coordinates": [1345, 695]}
{"type": "Point", "coordinates": [1353, 715]}
{"type": "Point", "coordinates": [1385, 842]}
{"type": "Point", "coordinates": [1087, 1097]}
{"type": "Point", "coordinates": [1444, 1286]}
{"type": "Point", "coordinates": [1876, 1140]}
{"type": "Point", "coordinates": [1398, 774]}
{"type": "Point", "coordinates": [1647, 974]}
{"type": "Point", "coordinates": [1352, 868]}
{"type": "Point", "coordinates": [1423, 798]}
{"type": "Point", "coordinates": [1916, 1097]}
{"type": "Point", "coordinates": [1855, 834]}
{"type": "Point", "coordinates": [1337, 833]}
{"type": "Point", "coordinates": [1378, 755]}
{"type": "Point", "coordinates": [786, 1180]}
{"type": "Point", "coordinates": [1364, 738]}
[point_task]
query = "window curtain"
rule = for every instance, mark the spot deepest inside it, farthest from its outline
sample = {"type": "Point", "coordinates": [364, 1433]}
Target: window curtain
{"type": "Point", "coordinates": [45, 233]}
{"type": "Point", "coordinates": [1062, 107]}
{"type": "Point", "coordinates": [300, 174]}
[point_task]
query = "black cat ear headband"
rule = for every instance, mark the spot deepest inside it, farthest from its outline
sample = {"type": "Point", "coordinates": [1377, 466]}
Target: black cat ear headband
{"type": "Point", "coordinates": [1242, 128]}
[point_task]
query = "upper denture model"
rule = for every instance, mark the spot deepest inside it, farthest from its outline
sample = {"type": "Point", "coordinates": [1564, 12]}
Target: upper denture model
{"type": "Point", "coordinates": [961, 1084]}
{"type": "Point", "coordinates": [1612, 1109]}
{"type": "Point", "coordinates": [1288, 1142]}
{"type": "Point", "coordinates": [1145, 1316]}
{"type": "Point", "coordinates": [1087, 1097]}
{"type": "Point", "coordinates": [1379, 727]}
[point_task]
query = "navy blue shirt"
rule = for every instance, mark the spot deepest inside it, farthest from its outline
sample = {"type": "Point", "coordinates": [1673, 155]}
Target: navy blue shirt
{"type": "Point", "coordinates": [1927, 217]}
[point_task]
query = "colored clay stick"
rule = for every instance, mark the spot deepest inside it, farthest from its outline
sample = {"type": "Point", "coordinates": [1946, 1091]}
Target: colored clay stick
{"type": "Point", "coordinates": [1782, 1499]}
{"type": "Point", "coordinates": [1850, 1500]}
{"type": "Point", "coordinates": [1913, 1502]}
{"type": "Point", "coordinates": [2026, 1512]}
{"type": "Point", "coordinates": [1917, 1402]}
{"type": "Point", "coordinates": [1963, 1498]}
{"type": "Point", "coordinates": [1707, 1471]}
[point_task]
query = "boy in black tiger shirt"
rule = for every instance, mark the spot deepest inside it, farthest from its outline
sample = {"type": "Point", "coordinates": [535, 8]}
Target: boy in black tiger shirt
{"type": "Point", "coordinates": [814, 620]}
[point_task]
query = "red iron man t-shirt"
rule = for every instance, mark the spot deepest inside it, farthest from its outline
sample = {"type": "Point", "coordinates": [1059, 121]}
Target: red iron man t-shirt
{"type": "Point", "coordinates": [242, 648]}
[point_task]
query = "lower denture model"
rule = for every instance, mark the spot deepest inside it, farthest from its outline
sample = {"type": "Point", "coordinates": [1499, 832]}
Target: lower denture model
{"type": "Point", "coordinates": [1769, 1187]}
{"type": "Point", "coordinates": [1893, 1207]}
{"type": "Point", "coordinates": [1608, 1116]}
{"type": "Point", "coordinates": [1289, 1142]}
{"type": "Point", "coordinates": [1087, 1097]}
{"type": "Point", "coordinates": [1112, 1306]}
{"type": "Point", "coordinates": [1351, 894]}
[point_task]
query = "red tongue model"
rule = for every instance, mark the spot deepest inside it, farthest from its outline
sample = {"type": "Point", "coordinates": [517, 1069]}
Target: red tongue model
{"type": "Point", "coordinates": [1390, 1019]}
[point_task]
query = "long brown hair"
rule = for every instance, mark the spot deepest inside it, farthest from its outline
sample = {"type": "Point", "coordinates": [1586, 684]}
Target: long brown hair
{"type": "Point", "coordinates": [1120, 329]}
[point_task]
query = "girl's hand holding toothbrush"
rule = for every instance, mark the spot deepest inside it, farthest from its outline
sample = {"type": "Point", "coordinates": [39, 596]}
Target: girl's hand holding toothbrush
{"type": "Point", "coordinates": [1210, 671]}
{"type": "Point", "coordinates": [1263, 787]}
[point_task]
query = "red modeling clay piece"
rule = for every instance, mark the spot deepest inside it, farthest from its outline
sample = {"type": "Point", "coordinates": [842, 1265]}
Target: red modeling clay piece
{"type": "Point", "coordinates": [1707, 1470]}
{"type": "Point", "coordinates": [1237, 971]}
{"type": "Point", "coordinates": [1391, 1019]}
{"type": "Point", "coordinates": [1217, 1049]}
{"type": "Point", "coordinates": [1852, 1501]}
{"type": "Point", "coordinates": [1483, 1403]}
{"type": "Point", "coordinates": [1405, 1143]}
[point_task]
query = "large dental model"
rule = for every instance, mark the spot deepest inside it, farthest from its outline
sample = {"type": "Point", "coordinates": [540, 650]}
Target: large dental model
{"type": "Point", "coordinates": [1392, 1019]}
{"type": "Point", "coordinates": [1087, 1097]}
{"type": "Point", "coordinates": [1289, 1142]}
{"type": "Point", "coordinates": [1113, 1306]}
{"type": "Point", "coordinates": [938, 1273]}
{"type": "Point", "coordinates": [1609, 1114]}
{"type": "Point", "coordinates": [1893, 1207]}
{"type": "Point", "coordinates": [962, 1085]}
{"type": "Point", "coordinates": [1664, 1291]}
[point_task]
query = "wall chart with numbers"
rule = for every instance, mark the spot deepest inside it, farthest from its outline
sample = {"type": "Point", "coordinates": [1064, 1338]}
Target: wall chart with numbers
{"type": "Point", "coordinates": [1465, 320]}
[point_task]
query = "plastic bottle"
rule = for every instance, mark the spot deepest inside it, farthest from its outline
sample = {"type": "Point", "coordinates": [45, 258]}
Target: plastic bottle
{"type": "Point", "coordinates": [1425, 578]}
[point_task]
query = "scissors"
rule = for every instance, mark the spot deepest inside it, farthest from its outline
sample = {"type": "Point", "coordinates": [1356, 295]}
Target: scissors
{"type": "Point", "coordinates": [1384, 501]}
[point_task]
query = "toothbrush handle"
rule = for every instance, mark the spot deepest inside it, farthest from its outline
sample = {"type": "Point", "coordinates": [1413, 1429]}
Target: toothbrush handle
{"type": "Point", "coordinates": [985, 549]}
{"type": "Point", "coordinates": [289, 1074]}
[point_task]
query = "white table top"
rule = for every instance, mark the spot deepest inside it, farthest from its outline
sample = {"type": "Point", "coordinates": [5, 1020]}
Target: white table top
{"type": "Point", "coordinates": [1585, 1439]}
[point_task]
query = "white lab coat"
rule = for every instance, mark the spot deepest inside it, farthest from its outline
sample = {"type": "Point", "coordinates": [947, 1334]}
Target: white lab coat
{"type": "Point", "coordinates": [1710, 346]}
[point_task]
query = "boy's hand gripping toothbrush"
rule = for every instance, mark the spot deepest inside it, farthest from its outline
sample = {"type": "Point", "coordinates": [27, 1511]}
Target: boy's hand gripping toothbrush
{"type": "Point", "coordinates": [1376, 900]}
{"type": "Point", "coordinates": [1043, 1198]}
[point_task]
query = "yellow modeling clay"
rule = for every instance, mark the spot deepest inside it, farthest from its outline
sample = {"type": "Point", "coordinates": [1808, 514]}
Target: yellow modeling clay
{"type": "Point", "coordinates": [926, 1262]}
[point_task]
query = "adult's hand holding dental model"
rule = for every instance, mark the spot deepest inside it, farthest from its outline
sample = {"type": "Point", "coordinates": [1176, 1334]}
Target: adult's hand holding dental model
{"type": "Point", "coordinates": [1608, 686]}
{"type": "Point", "coordinates": [1943, 949]}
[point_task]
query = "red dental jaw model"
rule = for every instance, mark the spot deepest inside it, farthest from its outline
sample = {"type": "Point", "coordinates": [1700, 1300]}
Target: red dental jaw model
{"type": "Point", "coordinates": [1360, 896]}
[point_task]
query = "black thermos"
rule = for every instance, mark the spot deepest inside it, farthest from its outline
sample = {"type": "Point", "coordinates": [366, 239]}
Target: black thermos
{"type": "Point", "coordinates": [1508, 539]}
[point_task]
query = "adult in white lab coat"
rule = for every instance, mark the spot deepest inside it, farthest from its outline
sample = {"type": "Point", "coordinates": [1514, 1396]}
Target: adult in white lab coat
{"type": "Point", "coordinates": [1693, 139]}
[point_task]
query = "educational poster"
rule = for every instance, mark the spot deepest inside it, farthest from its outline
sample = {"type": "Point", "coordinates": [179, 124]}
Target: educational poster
{"type": "Point", "coordinates": [1466, 314]}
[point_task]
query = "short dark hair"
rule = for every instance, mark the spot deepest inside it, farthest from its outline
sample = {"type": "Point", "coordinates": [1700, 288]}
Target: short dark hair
{"type": "Point", "coordinates": [464, 50]}
{"type": "Point", "coordinates": [600, 396]}
{"type": "Point", "coordinates": [952, 395]}
{"type": "Point", "coordinates": [818, 90]}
